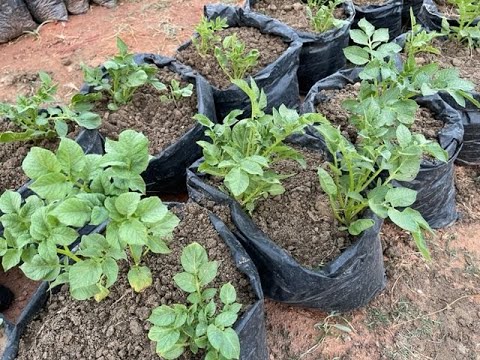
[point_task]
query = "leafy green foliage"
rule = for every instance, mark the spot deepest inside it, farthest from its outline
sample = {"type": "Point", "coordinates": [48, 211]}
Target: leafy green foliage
{"type": "Point", "coordinates": [73, 190]}
{"type": "Point", "coordinates": [242, 152]}
{"type": "Point", "coordinates": [175, 92]}
{"type": "Point", "coordinates": [466, 31]}
{"type": "Point", "coordinates": [322, 15]}
{"type": "Point", "coordinates": [233, 59]}
{"type": "Point", "coordinates": [37, 122]}
{"type": "Point", "coordinates": [198, 326]}
{"type": "Point", "coordinates": [353, 184]}
{"type": "Point", "coordinates": [207, 39]}
{"type": "Point", "coordinates": [124, 77]}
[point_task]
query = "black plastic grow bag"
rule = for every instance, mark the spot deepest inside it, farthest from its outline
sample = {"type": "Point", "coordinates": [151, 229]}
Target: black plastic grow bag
{"type": "Point", "coordinates": [166, 171]}
{"type": "Point", "coordinates": [349, 281]}
{"type": "Point", "coordinates": [250, 327]}
{"type": "Point", "coordinates": [321, 54]}
{"type": "Point", "coordinates": [106, 3]}
{"type": "Point", "coordinates": [435, 181]}
{"type": "Point", "coordinates": [14, 19]}
{"type": "Point", "coordinates": [44, 10]}
{"type": "Point", "coordinates": [278, 79]}
{"type": "Point", "coordinates": [387, 15]}
{"type": "Point", "coordinates": [416, 5]}
{"type": "Point", "coordinates": [431, 18]}
{"type": "Point", "coordinates": [470, 153]}
{"type": "Point", "coordinates": [77, 6]}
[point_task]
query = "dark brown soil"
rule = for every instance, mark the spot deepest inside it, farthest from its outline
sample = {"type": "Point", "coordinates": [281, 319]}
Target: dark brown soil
{"type": "Point", "coordinates": [447, 9]}
{"type": "Point", "coordinates": [454, 54]}
{"type": "Point", "coordinates": [12, 155]}
{"type": "Point", "coordinates": [467, 183]}
{"type": "Point", "coordinates": [270, 48]}
{"type": "Point", "coordinates": [162, 122]}
{"type": "Point", "coordinates": [291, 12]}
{"type": "Point", "coordinates": [301, 220]}
{"type": "Point", "coordinates": [426, 124]}
{"type": "Point", "coordinates": [22, 288]}
{"type": "Point", "coordinates": [117, 328]}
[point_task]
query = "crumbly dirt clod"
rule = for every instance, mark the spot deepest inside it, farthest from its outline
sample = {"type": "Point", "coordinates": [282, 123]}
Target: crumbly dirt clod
{"type": "Point", "coordinates": [291, 12]}
{"type": "Point", "coordinates": [116, 328]}
{"type": "Point", "coordinates": [269, 46]}
{"type": "Point", "coordinates": [162, 122]}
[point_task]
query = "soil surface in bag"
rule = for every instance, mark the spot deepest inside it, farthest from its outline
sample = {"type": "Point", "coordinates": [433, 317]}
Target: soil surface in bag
{"type": "Point", "coordinates": [162, 122]}
{"type": "Point", "coordinates": [14, 19]}
{"type": "Point", "coordinates": [77, 6]}
{"type": "Point", "coordinates": [13, 153]}
{"type": "Point", "coordinates": [117, 327]}
{"type": "Point", "coordinates": [270, 48]}
{"type": "Point", "coordinates": [291, 12]}
{"type": "Point", "coordinates": [44, 10]}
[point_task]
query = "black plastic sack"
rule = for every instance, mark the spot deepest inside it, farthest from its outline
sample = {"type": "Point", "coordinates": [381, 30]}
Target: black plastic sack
{"type": "Point", "coordinates": [416, 5]}
{"type": "Point", "coordinates": [278, 80]}
{"type": "Point", "coordinates": [431, 18]}
{"type": "Point", "coordinates": [349, 281]}
{"type": "Point", "coordinates": [76, 7]}
{"type": "Point", "coordinates": [250, 327]}
{"type": "Point", "coordinates": [387, 15]}
{"type": "Point", "coordinates": [321, 54]}
{"type": "Point", "coordinates": [435, 181]}
{"type": "Point", "coordinates": [44, 10]}
{"type": "Point", "coordinates": [14, 19]}
{"type": "Point", "coordinates": [166, 171]}
{"type": "Point", "coordinates": [106, 3]}
{"type": "Point", "coordinates": [470, 153]}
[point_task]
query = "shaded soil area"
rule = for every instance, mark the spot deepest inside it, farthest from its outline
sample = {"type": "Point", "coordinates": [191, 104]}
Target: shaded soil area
{"type": "Point", "coordinates": [291, 12]}
{"type": "Point", "coordinates": [458, 55]}
{"type": "Point", "coordinates": [467, 184]}
{"type": "Point", "coordinates": [22, 288]}
{"type": "Point", "coordinates": [301, 219]}
{"type": "Point", "coordinates": [270, 48]}
{"type": "Point", "coordinates": [162, 122]}
{"type": "Point", "coordinates": [117, 328]}
{"type": "Point", "coordinates": [446, 8]}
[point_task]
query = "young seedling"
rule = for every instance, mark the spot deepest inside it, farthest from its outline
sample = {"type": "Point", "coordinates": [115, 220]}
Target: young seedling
{"type": "Point", "coordinates": [233, 59]}
{"type": "Point", "coordinates": [242, 152]}
{"type": "Point", "coordinates": [73, 190]}
{"type": "Point", "coordinates": [124, 77]}
{"type": "Point", "coordinates": [322, 15]}
{"type": "Point", "coordinates": [36, 122]}
{"type": "Point", "coordinates": [175, 92]}
{"type": "Point", "coordinates": [466, 31]}
{"type": "Point", "coordinates": [198, 326]}
{"type": "Point", "coordinates": [207, 39]}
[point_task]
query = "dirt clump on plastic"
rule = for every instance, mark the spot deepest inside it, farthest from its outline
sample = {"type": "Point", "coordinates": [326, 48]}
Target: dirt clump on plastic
{"type": "Point", "coordinates": [291, 12]}
{"type": "Point", "coordinates": [369, 2]}
{"type": "Point", "coordinates": [270, 48]}
{"type": "Point", "coordinates": [458, 55]}
{"type": "Point", "coordinates": [162, 122]}
{"type": "Point", "coordinates": [117, 327]}
{"type": "Point", "coordinates": [301, 218]}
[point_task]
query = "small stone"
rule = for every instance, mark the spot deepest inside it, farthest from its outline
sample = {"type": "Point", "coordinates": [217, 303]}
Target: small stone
{"type": "Point", "coordinates": [66, 62]}
{"type": "Point", "coordinates": [135, 327]}
{"type": "Point", "coordinates": [288, 7]}
{"type": "Point", "coordinates": [297, 6]}
{"type": "Point", "coordinates": [356, 86]}
{"type": "Point", "coordinates": [110, 331]}
{"type": "Point", "coordinates": [456, 62]}
{"type": "Point", "coordinates": [272, 7]}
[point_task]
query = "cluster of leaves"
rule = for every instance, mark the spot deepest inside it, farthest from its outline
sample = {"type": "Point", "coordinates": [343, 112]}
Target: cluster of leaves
{"type": "Point", "coordinates": [206, 29]}
{"type": "Point", "coordinates": [37, 122]}
{"type": "Point", "coordinates": [198, 326]}
{"type": "Point", "coordinates": [120, 79]}
{"type": "Point", "coordinates": [176, 92]}
{"type": "Point", "coordinates": [73, 190]}
{"type": "Point", "coordinates": [322, 15]}
{"type": "Point", "coordinates": [233, 58]}
{"type": "Point", "coordinates": [468, 28]}
{"type": "Point", "coordinates": [242, 152]}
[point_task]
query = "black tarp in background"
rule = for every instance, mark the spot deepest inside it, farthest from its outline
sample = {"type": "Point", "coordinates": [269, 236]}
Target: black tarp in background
{"type": "Point", "coordinates": [430, 17]}
{"type": "Point", "coordinates": [435, 181]}
{"type": "Point", "coordinates": [14, 19]}
{"type": "Point", "coordinates": [321, 54]}
{"type": "Point", "coordinates": [278, 79]}
{"type": "Point", "coordinates": [166, 171]}
{"type": "Point", "coordinates": [44, 10]}
{"type": "Point", "coordinates": [349, 281]}
{"type": "Point", "coordinates": [387, 15]}
{"type": "Point", "coordinates": [76, 7]}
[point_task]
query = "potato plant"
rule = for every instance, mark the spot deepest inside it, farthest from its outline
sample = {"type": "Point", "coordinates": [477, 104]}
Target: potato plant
{"type": "Point", "coordinates": [124, 77]}
{"type": "Point", "coordinates": [175, 92]}
{"type": "Point", "coordinates": [206, 39]}
{"type": "Point", "coordinates": [242, 152]}
{"type": "Point", "coordinates": [200, 325]}
{"type": "Point", "coordinates": [466, 31]}
{"type": "Point", "coordinates": [321, 14]}
{"type": "Point", "coordinates": [73, 190]}
{"type": "Point", "coordinates": [37, 121]}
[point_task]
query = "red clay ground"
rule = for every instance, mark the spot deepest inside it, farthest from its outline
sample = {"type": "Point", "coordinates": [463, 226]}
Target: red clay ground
{"type": "Point", "coordinates": [428, 311]}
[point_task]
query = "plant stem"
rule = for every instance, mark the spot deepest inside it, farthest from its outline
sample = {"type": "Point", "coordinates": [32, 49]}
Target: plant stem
{"type": "Point", "coordinates": [66, 251]}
